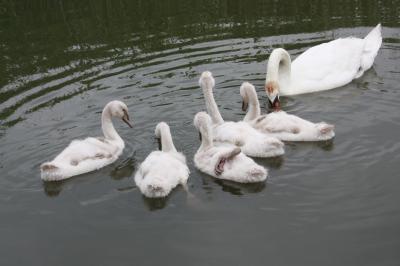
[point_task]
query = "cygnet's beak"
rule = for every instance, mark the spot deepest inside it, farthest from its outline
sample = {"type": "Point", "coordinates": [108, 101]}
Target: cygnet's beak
{"type": "Point", "coordinates": [245, 105]}
{"type": "Point", "coordinates": [159, 144]}
{"type": "Point", "coordinates": [125, 118]}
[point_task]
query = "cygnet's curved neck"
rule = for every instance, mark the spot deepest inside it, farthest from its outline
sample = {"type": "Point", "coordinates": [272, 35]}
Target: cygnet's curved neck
{"type": "Point", "coordinates": [254, 106]}
{"type": "Point", "coordinates": [163, 132]}
{"type": "Point", "coordinates": [279, 67]}
{"type": "Point", "coordinates": [211, 105]}
{"type": "Point", "coordinates": [107, 125]}
{"type": "Point", "coordinates": [206, 136]}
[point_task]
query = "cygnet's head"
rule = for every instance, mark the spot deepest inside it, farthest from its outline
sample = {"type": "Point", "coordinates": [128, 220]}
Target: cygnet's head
{"type": "Point", "coordinates": [120, 110]}
{"type": "Point", "coordinates": [201, 120]}
{"type": "Point", "coordinates": [206, 80]}
{"type": "Point", "coordinates": [245, 90]}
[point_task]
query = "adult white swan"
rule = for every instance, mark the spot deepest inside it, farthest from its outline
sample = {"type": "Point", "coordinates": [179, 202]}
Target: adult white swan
{"type": "Point", "coordinates": [224, 162]}
{"type": "Point", "coordinates": [322, 67]}
{"type": "Point", "coordinates": [252, 142]}
{"type": "Point", "coordinates": [280, 124]}
{"type": "Point", "coordinates": [83, 156]}
{"type": "Point", "coordinates": [162, 170]}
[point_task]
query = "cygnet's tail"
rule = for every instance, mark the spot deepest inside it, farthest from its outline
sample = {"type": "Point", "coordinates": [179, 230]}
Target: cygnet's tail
{"type": "Point", "coordinates": [50, 172]}
{"type": "Point", "coordinates": [373, 42]}
{"type": "Point", "coordinates": [326, 129]}
{"type": "Point", "coordinates": [163, 132]}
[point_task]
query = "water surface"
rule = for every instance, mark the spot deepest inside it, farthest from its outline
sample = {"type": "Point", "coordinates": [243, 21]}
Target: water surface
{"type": "Point", "coordinates": [329, 203]}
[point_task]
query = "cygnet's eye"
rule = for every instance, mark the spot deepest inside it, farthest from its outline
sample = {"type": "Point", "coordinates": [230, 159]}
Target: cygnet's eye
{"type": "Point", "coordinates": [121, 111]}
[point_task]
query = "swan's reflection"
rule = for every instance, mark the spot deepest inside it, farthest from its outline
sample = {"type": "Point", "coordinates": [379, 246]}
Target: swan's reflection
{"type": "Point", "coordinates": [271, 162]}
{"type": "Point", "coordinates": [124, 169]}
{"type": "Point", "coordinates": [154, 204]}
{"type": "Point", "coordinates": [234, 188]}
{"type": "Point", "coordinates": [326, 145]}
{"type": "Point", "coordinates": [53, 188]}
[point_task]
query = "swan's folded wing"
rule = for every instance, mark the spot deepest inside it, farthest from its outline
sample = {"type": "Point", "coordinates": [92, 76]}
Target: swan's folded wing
{"type": "Point", "coordinates": [373, 42]}
{"type": "Point", "coordinates": [327, 65]}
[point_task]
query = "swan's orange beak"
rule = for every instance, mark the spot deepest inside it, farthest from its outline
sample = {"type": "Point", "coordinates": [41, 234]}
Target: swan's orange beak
{"type": "Point", "coordinates": [273, 97]}
{"type": "Point", "coordinates": [125, 118]}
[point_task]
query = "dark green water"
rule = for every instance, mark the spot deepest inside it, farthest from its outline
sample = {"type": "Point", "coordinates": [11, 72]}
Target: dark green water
{"type": "Point", "coordinates": [334, 203]}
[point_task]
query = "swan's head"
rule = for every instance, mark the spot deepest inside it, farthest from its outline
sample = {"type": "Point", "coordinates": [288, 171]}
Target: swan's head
{"type": "Point", "coordinates": [206, 80]}
{"type": "Point", "coordinates": [120, 110]}
{"type": "Point", "coordinates": [272, 90]}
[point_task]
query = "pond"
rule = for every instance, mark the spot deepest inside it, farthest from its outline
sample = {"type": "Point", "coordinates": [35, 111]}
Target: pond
{"type": "Point", "coordinates": [327, 203]}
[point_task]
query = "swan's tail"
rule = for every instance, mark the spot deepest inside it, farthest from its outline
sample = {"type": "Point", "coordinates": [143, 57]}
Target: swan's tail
{"type": "Point", "coordinates": [372, 44]}
{"type": "Point", "coordinates": [155, 189]}
{"type": "Point", "coordinates": [163, 132]}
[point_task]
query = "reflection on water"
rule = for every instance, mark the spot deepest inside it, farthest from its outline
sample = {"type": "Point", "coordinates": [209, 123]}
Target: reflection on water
{"type": "Point", "coordinates": [53, 189]}
{"type": "Point", "coordinates": [326, 145]}
{"type": "Point", "coordinates": [239, 189]}
{"type": "Point", "coordinates": [124, 169]}
{"type": "Point", "coordinates": [274, 162]}
{"type": "Point", "coordinates": [155, 203]}
{"type": "Point", "coordinates": [62, 61]}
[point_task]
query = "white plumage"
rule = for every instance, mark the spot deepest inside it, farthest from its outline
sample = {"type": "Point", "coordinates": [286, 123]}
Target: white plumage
{"type": "Point", "coordinates": [83, 156]}
{"type": "Point", "coordinates": [162, 170]}
{"type": "Point", "coordinates": [322, 67]}
{"type": "Point", "coordinates": [226, 161]}
{"type": "Point", "coordinates": [252, 142]}
{"type": "Point", "coordinates": [280, 124]}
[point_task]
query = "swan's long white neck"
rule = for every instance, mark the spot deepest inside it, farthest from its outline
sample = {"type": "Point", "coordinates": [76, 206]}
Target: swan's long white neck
{"type": "Point", "coordinates": [279, 68]}
{"type": "Point", "coordinates": [211, 105]}
{"type": "Point", "coordinates": [107, 125]}
{"type": "Point", "coordinates": [163, 132]}
{"type": "Point", "coordinates": [254, 106]}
